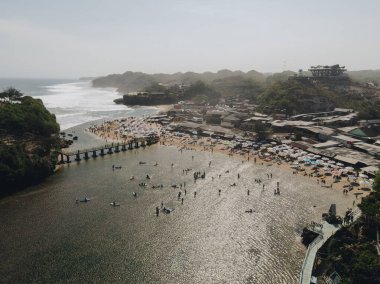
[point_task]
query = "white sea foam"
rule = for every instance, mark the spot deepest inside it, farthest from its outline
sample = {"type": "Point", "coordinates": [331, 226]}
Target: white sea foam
{"type": "Point", "coordinates": [77, 103]}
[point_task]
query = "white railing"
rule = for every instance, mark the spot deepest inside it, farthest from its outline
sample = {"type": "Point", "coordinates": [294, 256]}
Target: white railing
{"type": "Point", "coordinates": [311, 245]}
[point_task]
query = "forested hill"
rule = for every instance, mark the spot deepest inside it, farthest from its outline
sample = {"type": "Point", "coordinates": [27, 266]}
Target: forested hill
{"type": "Point", "coordinates": [137, 81]}
{"type": "Point", "coordinates": [28, 140]}
{"type": "Point", "coordinates": [272, 92]}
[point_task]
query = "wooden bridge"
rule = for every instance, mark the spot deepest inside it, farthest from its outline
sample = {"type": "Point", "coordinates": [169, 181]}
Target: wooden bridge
{"type": "Point", "coordinates": [85, 154]}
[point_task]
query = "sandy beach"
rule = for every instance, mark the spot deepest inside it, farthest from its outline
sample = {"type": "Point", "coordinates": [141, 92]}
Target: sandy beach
{"type": "Point", "coordinates": [122, 130]}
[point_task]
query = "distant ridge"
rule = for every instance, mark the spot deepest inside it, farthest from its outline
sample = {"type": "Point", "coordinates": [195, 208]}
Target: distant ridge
{"type": "Point", "coordinates": [136, 81]}
{"type": "Point", "coordinates": [131, 81]}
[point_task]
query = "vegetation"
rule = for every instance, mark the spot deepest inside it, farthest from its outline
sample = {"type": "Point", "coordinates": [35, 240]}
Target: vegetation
{"type": "Point", "coordinates": [156, 94]}
{"type": "Point", "coordinates": [370, 205]}
{"type": "Point", "coordinates": [352, 252]}
{"type": "Point", "coordinates": [28, 137]}
{"type": "Point", "coordinates": [294, 97]}
{"type": "Point", "coordinates": [262, 131]}
{"type": "Point", "coordinates": [274, 93]}
{"type": "Point", "coordinates": [239, 87]}
{"type": "Point", "coordinates": [202, 93]}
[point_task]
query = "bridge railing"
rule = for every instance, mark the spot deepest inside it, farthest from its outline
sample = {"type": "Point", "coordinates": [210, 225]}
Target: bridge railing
{"type": "Point", "coordinates": [106, 146]}
{"type": "Point", "coordinates": [311, 245]}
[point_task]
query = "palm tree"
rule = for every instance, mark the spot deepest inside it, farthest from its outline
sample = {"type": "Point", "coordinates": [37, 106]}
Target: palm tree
{"type": "Point", "coordinates": [10, 94]}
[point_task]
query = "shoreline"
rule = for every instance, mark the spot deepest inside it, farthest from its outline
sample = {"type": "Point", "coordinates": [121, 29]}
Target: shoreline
{"type": "Point", "coordinates": [199, 144]}
{"type": "Point", "coordinates": [341, 185]}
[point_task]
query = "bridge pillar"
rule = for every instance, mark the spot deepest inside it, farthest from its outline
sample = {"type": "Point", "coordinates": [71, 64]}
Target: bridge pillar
{"type": "Point", "coordinates": [94, 155]}
{"type": "Point", "coordinates": [109, 150]}
{"type": "Point", "coordinates": [102, 152]}
{"type": "Point", "coordinates": [117, 149]}
{"type": "Point", "coordinates": [123, 148]}
{"type": "Point", "coordinates": [68, 159]}
{"type": "Point", "coordinates": [143, 143]}
{"type": "Point", "coordinates": [86, 156]}
{"type": "Point", "coordinates": [77, 157]}
{"type": "Point", "coordinates": [136, 144]}
{"type": "Point", "coordinates": [148, 142]}
{"type": "Point", "coordinates": [62, 160]}
{"type": "Point", "coordinates": [130, 146]}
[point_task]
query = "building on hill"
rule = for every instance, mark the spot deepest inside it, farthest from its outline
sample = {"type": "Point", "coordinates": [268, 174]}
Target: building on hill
{"type": "Point", "coordinates": [370, 149]}
{"type": "Point", "coordinates": [369, 134]}
{"type": "Point", "coordinates": [250, 124]}
{"type": "Point", "coordinates": [324, 73]}
{"type": "Point", "coordinates": [338, 121]}
{"type": "Point", "coordinates": [369, 122]}
{"type": "Point", "coordinates": [342, 111]}
{"type": "Point", "coordinates": [347, 141]}
{"type": "Point", "coordinates": [289, 125]}
{"type": "Point", "coordinates": [231, 121]}
{"type": "Point", "coordinates": [327, 71]}
{"type": "Point", "coordinates": [215, 116]}
{"type": "Point", "coordinates": [319, 133]}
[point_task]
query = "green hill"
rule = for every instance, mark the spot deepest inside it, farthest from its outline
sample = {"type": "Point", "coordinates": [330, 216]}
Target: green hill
{"type": "Point", "coordinates": [28, 140]}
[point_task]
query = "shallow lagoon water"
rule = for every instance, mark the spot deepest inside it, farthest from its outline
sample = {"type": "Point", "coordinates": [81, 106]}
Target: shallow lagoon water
{"type": "Point", "coordinates": [47, 237]}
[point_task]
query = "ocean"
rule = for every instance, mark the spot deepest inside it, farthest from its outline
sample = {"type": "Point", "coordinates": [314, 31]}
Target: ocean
{"type": "Point", "coordinates": [47, 237]}
{"type": "Point", "coordinates": [74, 102]}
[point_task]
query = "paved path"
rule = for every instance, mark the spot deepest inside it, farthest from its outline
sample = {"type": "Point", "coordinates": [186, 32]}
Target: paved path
{"type": "Point", "coordinates": [325, 233]}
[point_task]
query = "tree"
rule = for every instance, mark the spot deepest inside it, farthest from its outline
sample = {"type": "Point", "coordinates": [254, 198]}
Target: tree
{"type": "Point", "coordinates": [262, 130]}
{"type": "Point", "coordinates": [370, 205]}
{"type": "Point", "coordinates": [11, 94]}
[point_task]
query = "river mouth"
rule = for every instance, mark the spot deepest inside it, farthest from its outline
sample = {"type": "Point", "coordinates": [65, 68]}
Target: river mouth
{"type": "Point", "coordinates": [47, 237]}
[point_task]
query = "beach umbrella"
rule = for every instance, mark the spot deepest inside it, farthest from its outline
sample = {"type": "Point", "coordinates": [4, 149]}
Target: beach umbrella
{"type": "Point", "coordinates": [365, 183]}
{"type": "Point", "coordinates": [325, 159]}
{"type": "Point", "coordinates": [340, 164]}
{"type": "Point", "coordinates": [363, 176]}
{"type": "Point", "coordinates": [349, 168]}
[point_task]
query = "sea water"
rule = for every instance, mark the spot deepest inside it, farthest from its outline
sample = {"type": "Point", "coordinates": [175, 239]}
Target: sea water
{"type": "Point", "coordinates": [74, 102]}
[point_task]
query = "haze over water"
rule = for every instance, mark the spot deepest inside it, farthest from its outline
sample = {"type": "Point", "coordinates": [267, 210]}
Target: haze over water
{"type": "Point", "coordinates": [47, 237]}
{"type": "Point", "coordinates": [73, 102]}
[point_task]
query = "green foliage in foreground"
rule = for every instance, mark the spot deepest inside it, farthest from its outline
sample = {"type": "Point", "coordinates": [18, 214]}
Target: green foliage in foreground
{"type": "Point", "coordinates": [28, 138]}
{"type": "Point", "coordinates": [19, 168]}
{"type": "Point", "coordinates": [352, 252]}
{"type": "Point", "coordinates": [370, 205]}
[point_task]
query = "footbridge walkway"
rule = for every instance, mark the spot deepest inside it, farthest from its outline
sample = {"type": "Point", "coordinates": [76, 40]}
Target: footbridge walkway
{"type": "Point", "coordinates": [324, 231]}
{"type": "Point", "coordinates": [66, 156]}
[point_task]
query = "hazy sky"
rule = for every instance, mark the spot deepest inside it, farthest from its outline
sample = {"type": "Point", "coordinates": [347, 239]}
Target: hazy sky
{"type": "Point", "coordinates": [72, 38]}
